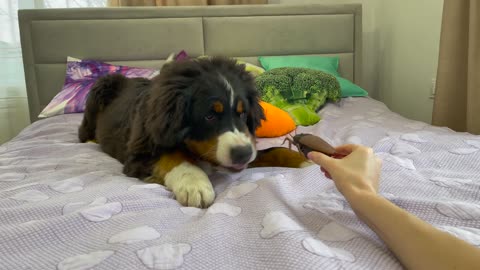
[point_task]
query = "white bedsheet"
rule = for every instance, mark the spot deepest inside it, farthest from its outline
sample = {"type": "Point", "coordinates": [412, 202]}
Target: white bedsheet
{"type": "Point", "coordinates": [66, 205]}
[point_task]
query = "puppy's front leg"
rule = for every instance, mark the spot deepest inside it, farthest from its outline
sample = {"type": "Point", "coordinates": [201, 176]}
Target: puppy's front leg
{"type": "Point", "coordinates": [138, 166]}
{"type": "Point", "coordinates": [188, 182]}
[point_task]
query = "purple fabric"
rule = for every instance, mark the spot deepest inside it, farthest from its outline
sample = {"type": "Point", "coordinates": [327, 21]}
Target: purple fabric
{"type": "Point", "coordinates": [80, 77]}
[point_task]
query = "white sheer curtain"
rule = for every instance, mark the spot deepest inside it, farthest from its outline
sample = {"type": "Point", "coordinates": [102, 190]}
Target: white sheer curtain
{"type": "Point", "coordinates": [13, 97]}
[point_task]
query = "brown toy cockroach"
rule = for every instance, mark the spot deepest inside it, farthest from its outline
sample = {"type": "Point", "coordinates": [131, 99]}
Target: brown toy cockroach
{"type": "Point", "coordinates": [306, 143]}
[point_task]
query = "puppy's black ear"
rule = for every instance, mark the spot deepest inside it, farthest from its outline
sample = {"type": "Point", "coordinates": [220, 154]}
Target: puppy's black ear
{"type": "Point", "coordinates": [166, 109]}
{"type": "Point", "coordinates": [168, 103]}
{"type": "Point", "coordinates": [256, 114]}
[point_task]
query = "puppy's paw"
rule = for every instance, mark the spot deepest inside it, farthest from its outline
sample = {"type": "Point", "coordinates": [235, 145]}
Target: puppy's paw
{"type": "Point", "coordinates": [190, 185]}
{"type": "Point", "coordinates": [194, 191]}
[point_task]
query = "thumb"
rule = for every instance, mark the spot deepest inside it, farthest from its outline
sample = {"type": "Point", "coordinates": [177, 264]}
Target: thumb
{"type": "Point", "coordinates": [321, 159]}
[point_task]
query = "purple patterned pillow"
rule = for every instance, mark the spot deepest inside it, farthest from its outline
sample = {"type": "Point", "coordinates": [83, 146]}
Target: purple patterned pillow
{"type": "Point", "coordinates": [80, 77]}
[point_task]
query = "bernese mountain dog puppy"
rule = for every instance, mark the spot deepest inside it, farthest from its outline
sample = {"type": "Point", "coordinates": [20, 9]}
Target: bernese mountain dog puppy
{"type": "Point", "coordinates": [196, 115]}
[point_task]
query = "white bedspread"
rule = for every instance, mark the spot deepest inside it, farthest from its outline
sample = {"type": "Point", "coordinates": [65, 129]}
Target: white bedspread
{"type": "Point", "coordinates": [66, 205]}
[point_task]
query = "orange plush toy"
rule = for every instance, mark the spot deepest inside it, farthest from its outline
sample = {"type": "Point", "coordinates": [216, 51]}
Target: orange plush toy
{"type": "Point", "coordinates": [278, 122]}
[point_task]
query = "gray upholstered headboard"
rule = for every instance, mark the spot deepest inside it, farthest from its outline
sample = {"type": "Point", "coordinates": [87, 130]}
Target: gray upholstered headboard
{"type": "Point", "coordinates": [146, 36]}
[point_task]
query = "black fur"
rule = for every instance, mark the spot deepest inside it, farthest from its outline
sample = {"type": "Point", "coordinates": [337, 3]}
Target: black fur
{"type": "Point", "coordinates": [137, 120]}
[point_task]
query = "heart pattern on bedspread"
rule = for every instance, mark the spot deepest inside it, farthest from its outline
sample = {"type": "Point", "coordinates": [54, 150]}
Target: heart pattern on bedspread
{"type": "Point", "coordinates": [85, 261]}
{"type": "Point", "coordinates": [166, 256]}
{"type": "Point", "coordinates": [66, 205]}
{"type": "Point", "coordinates": [78, 206]}
{"type": "Point", "coordinates": [224, 208]}
{"type": "Point", "coordinates": [335, 232]}
{"type": "Point", "coordinates": [137, 234]}
{"type": "Point", "coordinates": [240, 190]}
{"type": "Point", "coordinates": [319, 248]}
{"type": "Point", "coordinates": [30, 196]}
{"type": "Point", "coordinates": [102, 212]}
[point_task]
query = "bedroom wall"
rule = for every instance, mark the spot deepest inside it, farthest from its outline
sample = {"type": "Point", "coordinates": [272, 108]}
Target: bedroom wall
{"type": "Point", "coordinates": [400, 51]}
{"type": "Point", "coordinates": [13, 97]}
{"type": "Point", "coordinates": [370, 37]}
{"type": "Point", "coordinates": [408, 55]}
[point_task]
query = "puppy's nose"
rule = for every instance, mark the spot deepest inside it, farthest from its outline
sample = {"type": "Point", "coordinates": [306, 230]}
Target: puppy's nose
{"type": "Point", "coordinates": [241, 154]}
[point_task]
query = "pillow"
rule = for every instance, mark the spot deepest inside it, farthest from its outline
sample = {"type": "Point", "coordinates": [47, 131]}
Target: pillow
{"type": "Point", "coordinates": [327, 64]}
{"type": "Point", "coordinates": [277, 122]}
{"type": "Point", "coordinates": [255, 70]}
{"type": "Point", "coordinates": [79, 79]}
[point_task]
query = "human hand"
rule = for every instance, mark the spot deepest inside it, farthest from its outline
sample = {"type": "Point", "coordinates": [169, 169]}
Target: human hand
{"type": "Point", "coordinates": [358, 171]}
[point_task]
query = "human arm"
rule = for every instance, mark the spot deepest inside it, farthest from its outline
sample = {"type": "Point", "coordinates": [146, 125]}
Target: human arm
{"type": "Point", "coordinates": [417, 244]}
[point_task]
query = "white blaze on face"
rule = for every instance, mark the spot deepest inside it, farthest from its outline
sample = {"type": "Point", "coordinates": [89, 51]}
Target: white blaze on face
{"type": "Point", "coordinates": [230, 140]}
{"type": "Point", "coordinates": [229, 88]}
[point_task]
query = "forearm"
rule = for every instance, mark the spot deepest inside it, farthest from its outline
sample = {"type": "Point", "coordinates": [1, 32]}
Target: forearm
{"type": "Point", "coordinates": [417, 244]}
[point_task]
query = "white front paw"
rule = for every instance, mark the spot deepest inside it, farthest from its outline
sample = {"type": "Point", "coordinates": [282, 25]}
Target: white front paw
{"type": "Point", "coordinates": [190, 185]}
{"type": "Point", "coordinates": [194, 192]}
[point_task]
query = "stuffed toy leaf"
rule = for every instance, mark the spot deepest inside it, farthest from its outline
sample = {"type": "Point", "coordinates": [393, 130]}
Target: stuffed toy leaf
{"type": "Point", "coordinates": [299, 91]}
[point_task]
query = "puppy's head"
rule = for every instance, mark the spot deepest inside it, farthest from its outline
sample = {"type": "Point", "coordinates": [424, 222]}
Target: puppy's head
{"type": "Point", "coordinates": [210, 106]}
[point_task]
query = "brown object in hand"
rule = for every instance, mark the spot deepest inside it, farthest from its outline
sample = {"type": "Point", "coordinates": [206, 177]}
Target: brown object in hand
{"type": "Point", "coordinates": [308, 142]}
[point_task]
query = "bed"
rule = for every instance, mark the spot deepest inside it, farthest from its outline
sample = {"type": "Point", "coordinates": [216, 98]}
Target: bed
{"type": "Point", "coordinates": [66, 205]}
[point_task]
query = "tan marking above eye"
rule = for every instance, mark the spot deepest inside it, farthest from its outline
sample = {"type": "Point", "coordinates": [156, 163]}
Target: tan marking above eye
{"type": "Point", "coordinates": [218, 107]}
{"type": "Point", "coordinates": [240, 108]}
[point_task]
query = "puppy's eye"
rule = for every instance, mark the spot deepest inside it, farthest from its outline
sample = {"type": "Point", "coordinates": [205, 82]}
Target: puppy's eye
{"type": "Point", "coordinates": [210, 117]}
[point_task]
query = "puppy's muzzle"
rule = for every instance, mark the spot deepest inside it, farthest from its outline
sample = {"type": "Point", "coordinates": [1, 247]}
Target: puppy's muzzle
{"type": "Point", "coordinates": [241, 155]}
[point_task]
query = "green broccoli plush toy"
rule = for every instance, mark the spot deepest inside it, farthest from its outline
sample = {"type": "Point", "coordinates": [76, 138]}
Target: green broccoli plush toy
{"type": "Point", "coordinates": [299, 91]}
